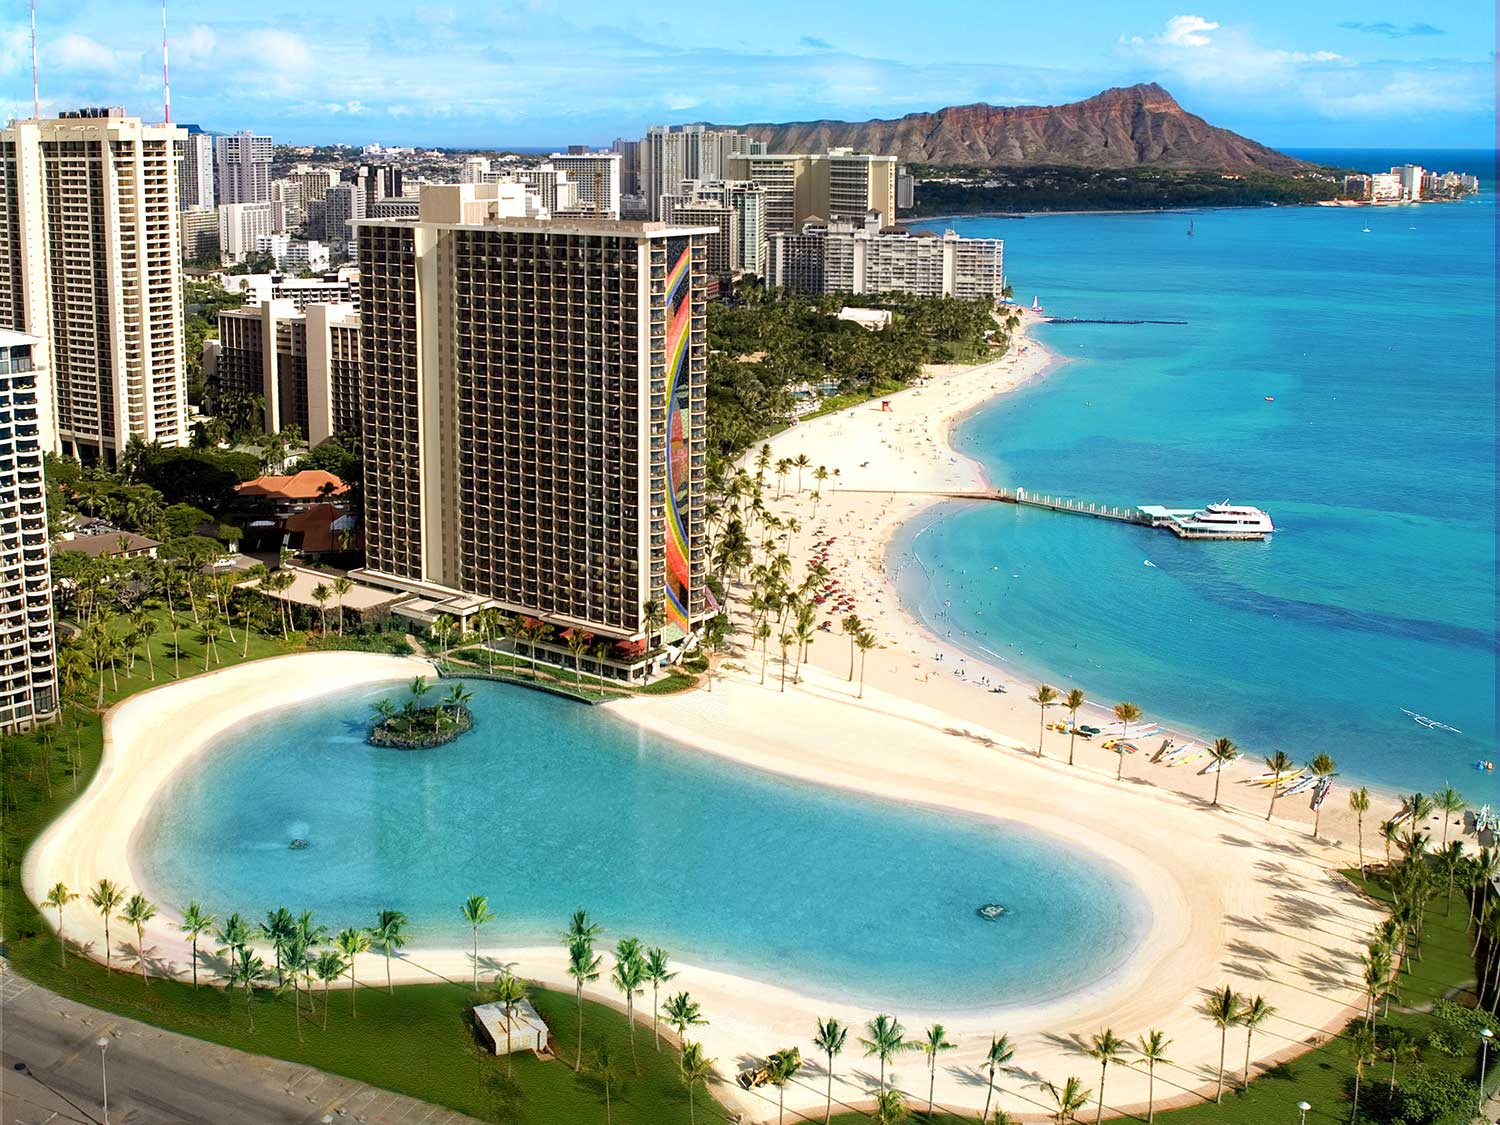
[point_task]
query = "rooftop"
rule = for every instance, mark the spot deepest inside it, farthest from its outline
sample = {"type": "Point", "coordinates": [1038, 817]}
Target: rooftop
{"type": "Point", "coordinates": [305, 486]}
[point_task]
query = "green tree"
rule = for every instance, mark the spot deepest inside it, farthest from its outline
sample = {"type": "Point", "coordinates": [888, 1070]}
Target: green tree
{"type": "Point", "coordinates": [1000, 1052]}
{"type": "Point", "coordinates": [476, 912]}
{"type": "Point", "coordinates": [342, 586]}
{"type": "Point", "coordinates": [1044, 698]}
{"type": "Point", "coordinates": [1360, 1046]}
{"type": "Point", "coordinates": [137, 912]}
{"type": "Point", "coordinates": [1450, 802]}
{"type": "Point", "coordinates": [510, 990]}
{"type": "Point", "coordinates": [864, 641]}
{"type": "Point", "coordinates": [106, 897]}
{"type": "Point", "coordinates": [696, 1069]}
{"type": "Point", "coordinates": [1153, 1052]}
{"type": "Point", "coordinates": [248, 972]}
{"type": "Point", "coordinates": [1253, 1013]}
{"type": "Point", "coordinates": [1223, 751]}
{"type": "Point", "coordinates": [683, 1012]}
{"type": "Point", "coordinates": [350, 943]}
{"type": "Point", "coordinates": [329, 967]}
{"type": "Point", "coordinates": [1322, 767]}
{"type": "Point", "coordinates": [583, 967]}
{"type": "Point", "coordinates": [1073, 701]}
{"type": "Point", "coordinates": [389, 932]}
{"type": "Point", "coordinates": [830, 1040]}
{"type": "Point", "coordinates": [604, 1068]}
{"type": "Point", "coordinates": [628, 976]}
{"type": "Point", "coordinates": [58, 897]}
{"type": "Point", "coordinates": [234, 938]}
{"type": "Point", "coordinates": [933, 1043]}
{"type": "Point", "coordinates": [1278, 763]}
{"type": "Point", "coordinates": [278, 926]}
{"type": "Point", "coordinates": [1359, 803]}
{"type": "Point", "coordinates": [657, 973]}
{"type": "Point", "coordinates": [781, 1069]}
{"type": "Point", "coordinates": [851, 625]}
{"type": "Point", "coordinates": [886, 1037]}
{"type": "Point", "coordinates": [1127, 713]}
{"type": "Point", "coordinates": [1068, 1099]}
{"type": "Point", "coordinates": [1104, 1048]}
{"type": "Point", "coordinates": [1223, 1007]}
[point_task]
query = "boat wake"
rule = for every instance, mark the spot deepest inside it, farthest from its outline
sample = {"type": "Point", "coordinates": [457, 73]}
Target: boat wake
{"type": "Point", "coordinates": [1429, 723]}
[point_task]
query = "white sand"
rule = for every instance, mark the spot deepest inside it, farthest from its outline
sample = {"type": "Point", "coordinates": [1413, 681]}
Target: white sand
{"type": "Point", "coordinates": [1233, 899]}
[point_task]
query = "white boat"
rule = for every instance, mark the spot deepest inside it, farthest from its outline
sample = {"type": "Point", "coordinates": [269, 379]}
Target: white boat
{"type": "Point", "coordinates": [1171, 756]}
{"type": "Point", "coordinates": [1214, 766]}
{"type": "Point", "coordinates": [1300, 784]}
{"type": "Point", "coordinates": [1223, 521]}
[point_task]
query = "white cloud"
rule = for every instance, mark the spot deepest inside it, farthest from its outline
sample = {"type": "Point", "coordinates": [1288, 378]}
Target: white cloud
{"type": "Point", "coordinates": [1187, 31]}
{"type": "Point", "coordinates": [73, 51]}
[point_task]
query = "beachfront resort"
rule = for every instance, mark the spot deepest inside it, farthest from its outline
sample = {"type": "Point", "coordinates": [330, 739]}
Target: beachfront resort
{"type": "Point", "coordinates": [571, 754]}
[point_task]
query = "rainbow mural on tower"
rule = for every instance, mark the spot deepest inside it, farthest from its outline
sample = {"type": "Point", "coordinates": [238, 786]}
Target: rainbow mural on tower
{"type": "Point", "coordinates": [679, 457]}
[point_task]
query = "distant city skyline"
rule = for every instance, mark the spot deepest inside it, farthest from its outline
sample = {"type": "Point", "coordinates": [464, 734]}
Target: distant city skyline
{"type": "Point", "coordinates": [1337, 74]}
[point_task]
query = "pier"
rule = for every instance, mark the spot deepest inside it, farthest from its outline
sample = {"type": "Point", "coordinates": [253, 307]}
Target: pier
{"type": "Point", "coordinates": [1074, 507]}
{"type": "Point", "coordinates": [1097, 320]}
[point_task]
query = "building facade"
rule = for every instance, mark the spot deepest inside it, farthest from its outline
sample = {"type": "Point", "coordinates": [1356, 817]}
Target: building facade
{"type": "Point", "coordinates": [344, 205]}
{"type": "Point", "coordinates": [241, 225]}
{"type": "Point", "coordinates": [200, 234]}
{"type": "Point", "coordinates": [670, 154]}
{"type": "Point", "coordinates": [533, 424]}
{"type": "Point", "coordinates": [827, 257]}
{"type": "Point", "coordinates": [28, 667]}
{"type": "Point", "coordinates": [595, 177]}
{"type": "Point", "coordinates": [243, 165]}
{"type": "Point", "coordinates": [722, 248]}
{"type": "Point", "coordinates": [195, 174]}
{"type": "Point", "coordinates": [91, 264]}
{"type": "Point", "coordinates": [838, 185]}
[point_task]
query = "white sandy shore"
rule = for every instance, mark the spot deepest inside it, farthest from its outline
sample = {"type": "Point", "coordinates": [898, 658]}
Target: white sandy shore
{"type": "Point", "coordinates": [1233, 898]}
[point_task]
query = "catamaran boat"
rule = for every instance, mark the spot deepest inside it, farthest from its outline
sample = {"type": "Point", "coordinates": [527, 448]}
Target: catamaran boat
{"type": "Point", "coordinates": [1223, 521]}
{"type": "Point", "coordinates": [1036, 305]}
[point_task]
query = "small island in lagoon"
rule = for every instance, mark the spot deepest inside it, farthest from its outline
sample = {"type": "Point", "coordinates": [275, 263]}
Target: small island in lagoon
{"type": "Point", "coordinates": [412, 726]}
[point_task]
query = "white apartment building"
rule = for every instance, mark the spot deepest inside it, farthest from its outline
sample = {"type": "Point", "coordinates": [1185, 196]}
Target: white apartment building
{"type": "Point", "coordinates": [552, 186]}
{"type": "Point", "coordinates": [292, 253]}
{"type": "Point", "coordinates": [314, 182]}
{"type": "Point", "coordinates": [1411, 180]}
{"type": "Point", "coordinates": [240, 225]}
{"type": "Point", "coordinates": [838, 185]}
{"type": "Point", "coordinates": [90, 262]}
{"type": "Point", "coordinates": [195, 174]}
{"type": "Point", "coordinates": [842, 258]}
{"type": "Point", "coordinates": [340, 287]}
{"type": "Point", "coordinates": [671, 154]}
{"type": "Point", "coordinates": [474, 170]}
{"type": "Point", "coordinates": [244, 168]}
{"type": "Point", "coordinates": [595, 177]}
{"type": "Point", "coordinates": [28, 671]}
{"type": "Point", "coordinates": [1385, 187]}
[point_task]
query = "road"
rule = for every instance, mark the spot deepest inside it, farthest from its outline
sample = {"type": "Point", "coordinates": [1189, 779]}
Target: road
{"type": "Point", "coordinates": [52, 1075]}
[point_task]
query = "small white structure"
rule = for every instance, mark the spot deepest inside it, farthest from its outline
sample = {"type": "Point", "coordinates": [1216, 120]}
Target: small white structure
{"type": "Point", "coordinates": [872, 320]}
{"type": "Point", "coordinates": [528, 1032]}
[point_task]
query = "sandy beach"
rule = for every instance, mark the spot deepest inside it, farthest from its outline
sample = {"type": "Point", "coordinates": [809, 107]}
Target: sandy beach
{"type": "Point", "coordinates": [1234, 899]}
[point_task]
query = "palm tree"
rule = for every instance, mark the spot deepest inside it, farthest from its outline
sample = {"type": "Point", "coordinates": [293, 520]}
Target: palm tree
{"type": "Point", "coordinates": [782, 1068]}
{"type": "Point", "coordinates": [933, 1043]}
{"type": "Point", "coordinates": [628, 975]}
{"type": "Point", "coordinates": [234, 938]}
{"type": "Point", "coordinates": [763, 635]}
{"type": "Point", "coordinates": [1390, 832]}
{"type": "Point", "coordinates": [341, 589]}
{"type": "Point", "coordinates": [656, 972]}
{"type": "Point", "coordinates": [851, 625]}
{"type": "Point", "coordinates": [1362, 1050]}
{"type": "Point", "coordinates": [1449, 801]}
{"type": "Point", "coordinates": [583, 966]}
{"type": "Point", "coordinates": [105, 897]}
{"type": "Point", "coordinates": [137, 912]}
{"type": "Point", "coordinates": [1127, 713]}
{"type": "Point", "coordinates": [682, 1012]}
{"type": "Point", "coordinates": [602, 1066]}
{"type": "Point", "coordinates": [1153, 1052]}
{"type": "Point", "coordinates": [1104, 1048]}
{"type": "Point", "coordinates": [696, 1070]}
{"type": "Point", "coordinates": [58, 897]}
{"type": "Point", "coordinates": [278, 926]}
{"type": "Point", "coordinates": [653, 617]}
{"type": "Point", "coordinates": [249, 972]}
{"type": "Point", "coordinates": [1045, 697]}
{"type": "Point", "coordinates": [1223, 1007]}
{"type": "Point", "coordinates": [830, 1040]}
{"type": "Point", "coordinates": [886, 1037]}
{"type": "Point", "coordinates": [1074, 700]}
{"type": "Point", "coordinates": [1278, 763]}
{"type": "Point", "coordinates": [1069, 1099]}
{"type": "Point", "coordinates": [320, 594]}
{"type": "Point", "coordinates": [1254, 1013]}
{"type": "Point", "coordinates": [1359, 803]}
{"type": "Point", "coordinates": [998, 1055]}
{"type": "Point", "coordinates": [786, 640]}
{"type": "Point", "coordinates": [1223, 751]}
{"type": "Point", "coordinates": [801, 462]}
{"type": "Point", "coordinates": [1323, 767]}
{"type": "Point", "coordinates": [329, 967]}
{"type": "Point", "coordinates": [351, 943]}
{"type": "Point", "coordinates": [457, 698]}
{"type": "Point", "coordinates": [389, 932]}
{"type": "Point", "coordinates": [510, 990]}
{"type": "Point", "coordinates": [578, 644]}
{"type": "Point", "coordinates": [476, 912]}
{"type": "Point", "coordinates": [864, 641]}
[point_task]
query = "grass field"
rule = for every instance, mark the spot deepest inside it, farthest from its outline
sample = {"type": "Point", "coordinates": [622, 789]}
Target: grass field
{"type": "Point", "coordinates": [418, 1041]}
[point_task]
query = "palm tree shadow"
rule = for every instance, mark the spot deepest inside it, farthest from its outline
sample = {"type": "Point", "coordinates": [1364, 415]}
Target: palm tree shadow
{"type": "Point", "coordinates": [972, 736]}
{"type": "Point", "coordinates": [214, 963]}
{"type": "Point", "coordinates": [488, 964]}
{"type": "Point", "coordinates": [155, 966]}
{"type": "Point", "coordinates": [871, 1080]}
{"type": "Point", "coordinates": [1074, 1042]}
{"type": "Point", "coordinates": [1255, 925]}
{"type": "Point", "coordinates": [970, 1075]}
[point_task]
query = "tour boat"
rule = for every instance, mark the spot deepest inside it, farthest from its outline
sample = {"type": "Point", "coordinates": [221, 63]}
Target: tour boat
{"type": "Point", "coordinates": [1224, 521]}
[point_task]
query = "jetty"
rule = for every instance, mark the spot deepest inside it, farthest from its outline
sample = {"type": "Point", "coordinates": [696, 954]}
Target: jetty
{"type": "Point", "coordinates": [1104, 320]}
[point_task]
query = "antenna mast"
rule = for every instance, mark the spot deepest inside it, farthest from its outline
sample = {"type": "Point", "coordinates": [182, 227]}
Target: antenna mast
{"type": "Point", "coordinates": [166, 85]}
{"type": "Point", "coordinates": [36, 100]}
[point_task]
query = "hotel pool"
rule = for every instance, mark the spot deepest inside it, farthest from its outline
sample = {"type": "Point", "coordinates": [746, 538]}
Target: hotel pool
{"type": "Point", "coordinates": [546, 806]}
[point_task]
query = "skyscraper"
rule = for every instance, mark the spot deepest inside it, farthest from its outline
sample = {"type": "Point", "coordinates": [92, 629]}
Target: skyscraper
{"type": "Point", "coordinates": [244, 168]}
{"type": "Point", "coordinates": [90, 238]}
{"type": "Point", "coordinates": [195, 175]}
{"type": "Point", "coordinates": [533, 415]}
{"type": "Point", "coordinates": [28, 674]}
{"type": "Point", "coordinates": [670, 154]}
{"type": "Point", "coordinates": [838, 185]}
{"type": "Point", "coordinates": [595, 177]}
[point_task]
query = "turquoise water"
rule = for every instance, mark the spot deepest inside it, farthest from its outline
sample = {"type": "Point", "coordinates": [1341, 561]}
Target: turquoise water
{"type": "Point", "coordinates": [1376, 460]}
{"type": "Point", "coordinates": [548, 805]}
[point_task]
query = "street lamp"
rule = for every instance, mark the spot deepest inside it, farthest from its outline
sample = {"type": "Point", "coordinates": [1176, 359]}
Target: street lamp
{"type": "Point", "coordinates": [1485, 1035]}
{"type": "Point", "coordinates": [103, 1044]}
{"type": "Point", "coordinates": [1302, 1108]}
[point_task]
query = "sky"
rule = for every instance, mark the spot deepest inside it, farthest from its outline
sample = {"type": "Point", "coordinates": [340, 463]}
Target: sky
{"type": "Point", "coordinates": [500, 73]}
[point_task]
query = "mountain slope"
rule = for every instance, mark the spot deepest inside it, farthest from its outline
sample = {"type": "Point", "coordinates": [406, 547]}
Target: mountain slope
{"type": "Point", "coordinates": [1121, 127]}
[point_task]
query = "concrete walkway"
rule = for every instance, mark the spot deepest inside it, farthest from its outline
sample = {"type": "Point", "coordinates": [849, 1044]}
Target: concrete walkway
{"type": "Point", "coordinates": [52, 1075]}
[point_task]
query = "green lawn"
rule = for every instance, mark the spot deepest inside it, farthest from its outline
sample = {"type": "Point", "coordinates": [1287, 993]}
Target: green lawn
{"type": "Point", "coordinates": [418, 1041]}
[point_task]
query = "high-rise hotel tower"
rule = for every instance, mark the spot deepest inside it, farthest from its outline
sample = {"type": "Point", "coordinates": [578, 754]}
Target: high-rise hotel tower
{"type": "Point", "coordinates": [533, 414]}
{"type": "Point", "coordinates": [90, 263]}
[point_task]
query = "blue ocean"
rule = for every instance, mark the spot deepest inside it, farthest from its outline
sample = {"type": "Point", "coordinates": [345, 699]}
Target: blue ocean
{"type": "Point", "coordinates": [1342, 378]}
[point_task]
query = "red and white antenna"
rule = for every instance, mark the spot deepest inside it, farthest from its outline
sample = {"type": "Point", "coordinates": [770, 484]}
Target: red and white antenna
{"type": "Point", "coordinates": [166, 85]}
{"type": "Point", "coordinates": [36, 100]}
